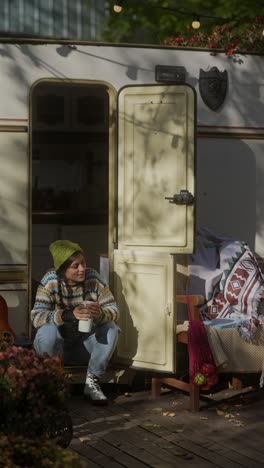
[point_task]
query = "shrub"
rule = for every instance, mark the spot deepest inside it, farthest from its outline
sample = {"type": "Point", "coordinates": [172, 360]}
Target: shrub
{"type": "Point", "coordinates": [232, 38]}
{"type": "Point", "coordinates": [17, 451]}
{"type": "Point", "coordinates": [34, 419]}
{"type": "Point", "coordinates": [33, 391]}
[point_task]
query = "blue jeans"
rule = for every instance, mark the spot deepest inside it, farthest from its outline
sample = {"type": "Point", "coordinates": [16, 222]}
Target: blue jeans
{"type": "Point", "coordinates": [96, 347]}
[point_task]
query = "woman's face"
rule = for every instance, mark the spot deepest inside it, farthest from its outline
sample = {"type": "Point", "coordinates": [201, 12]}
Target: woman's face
{"type": "Point", "coordinates": [75, 273]}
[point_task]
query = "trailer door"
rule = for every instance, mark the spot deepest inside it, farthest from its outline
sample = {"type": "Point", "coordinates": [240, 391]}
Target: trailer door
{"type": "Point", "coordinates": [156, 147]}
{"type": "Point", "coordinates": [14, 232]}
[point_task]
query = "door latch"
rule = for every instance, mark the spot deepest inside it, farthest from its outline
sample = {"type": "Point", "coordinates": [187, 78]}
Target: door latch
{"type": "Point", "coordinates": [182, 198]}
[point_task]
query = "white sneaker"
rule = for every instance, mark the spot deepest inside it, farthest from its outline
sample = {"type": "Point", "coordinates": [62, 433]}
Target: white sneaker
{"type": "Point", "coordinates": [93, 391]}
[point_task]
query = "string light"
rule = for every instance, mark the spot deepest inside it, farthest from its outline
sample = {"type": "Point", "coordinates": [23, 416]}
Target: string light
{"type": "Point", "coordinates": [196, 22]}
{"type": "Point", "coordinates": [118, 6]}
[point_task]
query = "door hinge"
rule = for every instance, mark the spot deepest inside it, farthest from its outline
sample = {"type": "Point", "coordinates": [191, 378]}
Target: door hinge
{"type": "Point", "coordinates": [114, 236]}
{"type": "Point", "coordinates": [168, 308]}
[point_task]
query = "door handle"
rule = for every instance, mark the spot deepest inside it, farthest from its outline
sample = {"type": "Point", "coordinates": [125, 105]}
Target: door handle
{"type": "Point", "coordinates": [182, 198]}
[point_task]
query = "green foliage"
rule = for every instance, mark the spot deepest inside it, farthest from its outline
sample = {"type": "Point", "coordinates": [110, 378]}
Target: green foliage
{"type": "Point", "coordinates": [18, 451]}
{"type": "Point", "coordinates": [32, 390]}
{"type": "Point", "coordinates": [143, 21]}
{"type": "Point", "coordinates": [33, 418]}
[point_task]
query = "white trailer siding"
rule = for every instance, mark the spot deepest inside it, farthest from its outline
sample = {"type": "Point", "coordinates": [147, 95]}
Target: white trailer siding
{"type": "Point", "coordinates": [230, 141]}
{"type": "Point", "coordinates": [229, 170]}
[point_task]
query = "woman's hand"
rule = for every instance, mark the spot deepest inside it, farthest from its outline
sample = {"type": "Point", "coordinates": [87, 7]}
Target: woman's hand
{"type": "Point", "coordinates": [89, 309]}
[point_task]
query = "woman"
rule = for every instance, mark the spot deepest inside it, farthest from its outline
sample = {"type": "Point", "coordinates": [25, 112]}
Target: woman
{"type": "Point", "coordinates": [59, 306]}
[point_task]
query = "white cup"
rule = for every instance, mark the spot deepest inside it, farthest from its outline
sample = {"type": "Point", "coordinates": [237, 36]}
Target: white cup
{"type": "Point", "coordinates": [85, 326]}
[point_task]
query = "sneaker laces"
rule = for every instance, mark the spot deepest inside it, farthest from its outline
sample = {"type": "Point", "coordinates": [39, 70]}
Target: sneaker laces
{"type": "Point", "coordinates": [93, 382]}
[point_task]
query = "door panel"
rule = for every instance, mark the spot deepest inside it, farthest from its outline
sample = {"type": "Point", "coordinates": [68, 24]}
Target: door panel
{"type": "Point", "coordinates": [14, 233]}
{"type": "Point", "coordinates": [155, 160]}
{"type": "Point", "coordinates": [144, 290]}
{"type": "Point", "coordinates": [14, 198]}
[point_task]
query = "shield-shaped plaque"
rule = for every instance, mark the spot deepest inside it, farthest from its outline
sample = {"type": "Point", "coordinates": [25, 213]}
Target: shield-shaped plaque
{"type": "Point", "coordinates": [213, 87]}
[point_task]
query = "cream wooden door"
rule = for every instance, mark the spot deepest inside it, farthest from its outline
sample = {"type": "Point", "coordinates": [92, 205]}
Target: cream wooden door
{"type": "Point", "coordinates": [156, 126]}
{"type": "Point", "coordinates": [14, 232]}
{"type": "Point", "coordinates": [156, 147]}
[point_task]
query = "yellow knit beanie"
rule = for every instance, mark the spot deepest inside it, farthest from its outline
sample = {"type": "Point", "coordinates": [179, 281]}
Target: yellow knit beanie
{"type": "Point", "coordinates": [61, 250]}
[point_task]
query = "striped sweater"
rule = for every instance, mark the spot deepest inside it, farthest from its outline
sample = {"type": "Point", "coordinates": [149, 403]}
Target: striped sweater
{"type": "Point", "coordinates": [50, 303]}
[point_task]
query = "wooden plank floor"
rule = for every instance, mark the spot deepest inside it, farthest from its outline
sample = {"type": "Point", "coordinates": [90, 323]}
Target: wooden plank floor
{"type": "Point", "coordinates": [134, 431]}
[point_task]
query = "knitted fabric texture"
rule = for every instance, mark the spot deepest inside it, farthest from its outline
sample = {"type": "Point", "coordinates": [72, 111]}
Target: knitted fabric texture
{"type": "Point", "coordinates": [61, 250]}
{"type": "Point", "coordinates": [48, 307]}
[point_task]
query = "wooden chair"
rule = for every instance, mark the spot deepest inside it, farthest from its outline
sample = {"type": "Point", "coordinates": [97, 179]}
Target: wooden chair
{"type": "Point", "coordinates": [194, 302]}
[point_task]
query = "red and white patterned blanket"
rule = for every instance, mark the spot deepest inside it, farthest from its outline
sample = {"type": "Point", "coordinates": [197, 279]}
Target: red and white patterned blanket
{"type": "Point", "coordinates": [239, 289]}
{"type": "Point", "coordinates": [233, 281]}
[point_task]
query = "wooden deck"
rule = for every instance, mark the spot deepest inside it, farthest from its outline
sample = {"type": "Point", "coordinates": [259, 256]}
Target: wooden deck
{"type": "Point", "coordinates": [134, 431]}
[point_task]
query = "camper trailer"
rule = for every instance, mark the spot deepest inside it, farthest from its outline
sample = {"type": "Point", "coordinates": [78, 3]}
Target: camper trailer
{"type": "Point", "coordinates": [125, 150]}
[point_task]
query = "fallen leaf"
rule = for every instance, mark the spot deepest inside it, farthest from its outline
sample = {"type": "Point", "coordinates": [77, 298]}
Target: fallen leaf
{"type": "Point", "coordinates": [127, 394]}
{"type": "Point", "coordinates": [83, 439]}
{"type": "Point", "coordinates": [220, 412]}
{"type": "Point", "coordinates": [236, 421]}
{"type": "Point", "coordinates": [171, 415]}
{"type": "Point", "coordinates": [178, 453]}
{"type": "Point", "coordinates": [156, 409]}
{"type": "Point", "coordinates": [203, 417]}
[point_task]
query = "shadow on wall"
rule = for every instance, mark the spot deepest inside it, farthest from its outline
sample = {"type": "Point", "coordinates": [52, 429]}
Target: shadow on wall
{"type": "Point", "coordinates": [226, 187]}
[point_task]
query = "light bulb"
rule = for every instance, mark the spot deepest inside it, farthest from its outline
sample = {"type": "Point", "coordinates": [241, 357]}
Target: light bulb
{"type": "Point", "coordinates": [118, 6]}
{"type": "Point", "coordinates": [196, 22]}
